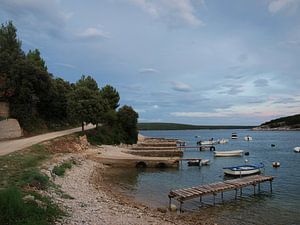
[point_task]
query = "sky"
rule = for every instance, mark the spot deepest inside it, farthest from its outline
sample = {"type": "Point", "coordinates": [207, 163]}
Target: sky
{"type": "Point", "coordinates": [186, 61]}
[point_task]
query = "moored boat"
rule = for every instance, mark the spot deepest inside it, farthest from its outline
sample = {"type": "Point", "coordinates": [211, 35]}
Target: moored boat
{"type": "Point", "coordinates": [243, 170]}
{"type": "Point", "coordinates": [223, 141]}
{"type": "Point", "coordinates": [297, 149]}
{"type": "Point", "coordinates": [229, 153]}
{"type": "Point", "coordinates": [234, 135]}
{"type": "Point", "coordinates": [248, 138]}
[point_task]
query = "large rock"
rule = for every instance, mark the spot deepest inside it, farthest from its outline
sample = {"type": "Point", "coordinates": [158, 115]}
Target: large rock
{"type": "Point", "coordinates": [10, 128]}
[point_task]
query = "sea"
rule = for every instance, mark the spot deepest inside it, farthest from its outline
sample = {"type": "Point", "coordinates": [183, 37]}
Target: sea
{"type": "Point", "coordinates": [282, 206]}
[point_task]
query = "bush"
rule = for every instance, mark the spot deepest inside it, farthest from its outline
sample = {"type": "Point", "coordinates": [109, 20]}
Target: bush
{"type": "Point", "coordinates": [14, 211]}
{"type": "Point", "coordinates": [34, 178]}
{"type": "Point", "coordinates": [60, 170]}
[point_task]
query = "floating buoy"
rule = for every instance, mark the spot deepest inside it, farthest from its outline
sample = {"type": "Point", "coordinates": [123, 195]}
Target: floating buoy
{"type": "Point", "coordinates": [276, 164]}
{"type": "Point", "coordinates": [272, 145]}
{"type": "Point", "coordinates": [247, 153]}
{"type": "Point", "coordinates": [246, 160]}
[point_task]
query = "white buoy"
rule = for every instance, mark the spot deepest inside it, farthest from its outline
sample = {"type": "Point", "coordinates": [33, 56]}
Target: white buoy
{"type": "Point", "coordinates": [173, 208]}
{"type": "Point", "coordinates": [246, 160]}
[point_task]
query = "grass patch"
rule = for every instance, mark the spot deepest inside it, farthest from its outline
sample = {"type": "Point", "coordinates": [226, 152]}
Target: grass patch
{"type": "Point", "coordinates": [60, 170]}
{"type": "Point", "coordinates": [14, 211]}
{"type": "Point", "coordinates": [34, 178]}
{"type": "Point", "coordinates": [16, 165]}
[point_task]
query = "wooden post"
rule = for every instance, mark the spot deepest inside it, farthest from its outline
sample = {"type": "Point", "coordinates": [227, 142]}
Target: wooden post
{"type": "Point", "coordinates": [254, 189]}
{"type": "Point", "coordinates": [258, 187]}
{"type": "Point", "coordinates": [271, 186]}
{"type": "Point", "coordinates": [222, 196]}
{"type": "Point", "coordinates": [236, 193]}
{"type": "Point", "coordinates": [214, 198]}
{"type": "Point", "coordinates": [170, 202]}
{"type": "Point", "coordinates": [241, 191]}
{"type": "Point", "coordinates": [180, 207]}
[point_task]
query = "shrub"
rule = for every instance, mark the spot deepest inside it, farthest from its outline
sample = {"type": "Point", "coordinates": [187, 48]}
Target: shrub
{"type": "Point", "coordinates": [60, 170]}
{"type": "Point", "coordinates": [34, 178]}
{"type": "Point", "coordinates": [14, 211]}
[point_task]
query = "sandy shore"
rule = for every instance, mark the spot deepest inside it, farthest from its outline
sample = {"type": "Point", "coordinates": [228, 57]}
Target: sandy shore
{"type": "Point", "coordinates": [96, 202]}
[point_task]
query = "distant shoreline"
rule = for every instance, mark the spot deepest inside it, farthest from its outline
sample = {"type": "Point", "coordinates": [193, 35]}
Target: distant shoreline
{"type": "Point", "coordinates": [176, 126]}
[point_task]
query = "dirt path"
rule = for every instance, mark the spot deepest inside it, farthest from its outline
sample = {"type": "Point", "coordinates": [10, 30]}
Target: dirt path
{"type": "Point", "coordinates": [7, 147]}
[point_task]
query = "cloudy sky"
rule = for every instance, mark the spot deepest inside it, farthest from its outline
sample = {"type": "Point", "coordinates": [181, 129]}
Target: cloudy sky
{"type": "Point", "coordinates": [186, 61]}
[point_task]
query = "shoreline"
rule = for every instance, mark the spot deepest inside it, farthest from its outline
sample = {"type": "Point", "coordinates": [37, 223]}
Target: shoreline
{"type": "Point", "coordinates": [95, 200]}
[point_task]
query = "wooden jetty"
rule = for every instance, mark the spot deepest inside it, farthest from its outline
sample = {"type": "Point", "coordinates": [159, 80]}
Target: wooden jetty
{"type": "Point", "coordinates": [184, 194]}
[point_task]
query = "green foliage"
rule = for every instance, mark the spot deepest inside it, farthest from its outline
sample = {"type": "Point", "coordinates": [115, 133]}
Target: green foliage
{"type": "Point", "coordinates": [105, 134]}
{"type": "Point", "coordinates": [19, 163]}
{"type": "Point", "coordinates": [34, 178]}
{"type": "Point", "coordinates": [111, 96]}
{"type": "Point", "coordinates": [14, 211]}
{"type": "Point", "coordinates": [292, 121]}
{"type": "Point", "coordinates": [60, 170]}
{"type": "Point", "coordinates": [128, 122]}
{"type": "Point", "coordinates": [87, 82]}
{"type": "Point", "coordinates": [35, 58]}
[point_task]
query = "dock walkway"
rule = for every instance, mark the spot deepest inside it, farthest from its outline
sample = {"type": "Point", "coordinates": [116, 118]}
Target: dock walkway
{"type": "Point", "coordinates": [184, 194]}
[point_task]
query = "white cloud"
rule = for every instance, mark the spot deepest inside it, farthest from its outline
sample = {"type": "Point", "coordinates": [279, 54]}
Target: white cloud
{"type": "Point", "coordinates": [200, 114]}
{"type": "Point", "coordinates": [173, 12]}
{"type": "Point", "coordinates": [155, 106]}
{"type": "Point", "coordinates": [148, 70]}
{"type": "Point", "coordinates": [277, 5]}
{"type": "Point", "coordinates": [94, 33]}
{"type": "Point", "coordinates": [179, 86]}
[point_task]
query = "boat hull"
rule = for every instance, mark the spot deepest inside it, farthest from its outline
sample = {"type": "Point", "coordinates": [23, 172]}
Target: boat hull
{"type": "Point", "coordinates": [297, 149]}
{"type": "Point", "coordinates": [228, 153]}
{"type": "Point", "coordinates": [241, 173]}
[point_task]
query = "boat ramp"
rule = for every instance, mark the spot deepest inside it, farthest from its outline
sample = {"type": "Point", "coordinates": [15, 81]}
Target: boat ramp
{"type": "Point", "coordinates": [184, 194]}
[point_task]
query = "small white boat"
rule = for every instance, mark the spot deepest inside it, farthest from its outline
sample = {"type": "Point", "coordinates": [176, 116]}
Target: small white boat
{"type": "Point", "coordinates": [229, 153]}
{"type": "Point", "coordinates": [210, 142]}
{"type": "Point", "coordinates": [194, 163]}
{"type": "Point", "coordinates": [223, 141]}
{"type": "Point", "coordinates": [248, 138]}
{"type": "Point", "coordinates": [297, 149]}
{"type": "Point", "coordinates": [234, 135]}
{"type": "Point", "coordinates": [243, 170]}
{"type": "Point", "coordinates": [204, 162]}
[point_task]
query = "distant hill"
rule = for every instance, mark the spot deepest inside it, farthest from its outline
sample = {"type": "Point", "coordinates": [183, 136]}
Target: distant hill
{"type": "Point", "coordinates": [283, 123]}
{"type": "Point", "coordinates": [176, 126]}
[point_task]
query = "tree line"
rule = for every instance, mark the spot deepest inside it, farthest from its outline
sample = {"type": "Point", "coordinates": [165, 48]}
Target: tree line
{"type": "Point", "coordinates": [40, 101]}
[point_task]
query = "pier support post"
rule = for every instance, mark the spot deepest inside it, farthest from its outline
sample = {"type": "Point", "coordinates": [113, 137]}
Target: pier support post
{"type": "Point", "coordinates": [180, 207]}
{"type": "Point", "coordinates": [236, 193]}
{"type": "Point", "coordinates": [254, 189]}
{"type": "Point", "coordinates": [258, 187]}
{"type": "Point", "coordinates": [222, 196]}
{"type": "Point", "coordinates": [271, 189]}
{"type": "Point", "coordinates": [170, 202]}
{"type": "Point", "coordinates": [214, 194]}
{"type": "Point", "coordinates": [201, 200]}
{"type": "Point", "coordinates": [241, 191]}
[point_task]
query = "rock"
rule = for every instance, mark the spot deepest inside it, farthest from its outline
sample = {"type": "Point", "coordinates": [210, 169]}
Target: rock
{"type": "Point", "coordinates": [28, 198]}
{"type": "Point", "coordinates": [162, 210]}
{"type": "Point", "coordinates": [41, 204]}
{"type": "Point", "coordinates": [173, 208]}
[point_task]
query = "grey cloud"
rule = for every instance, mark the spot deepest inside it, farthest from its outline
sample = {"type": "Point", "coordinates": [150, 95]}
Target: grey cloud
{"type": "Point", "coordinates": [232, 89]}
{"type": "Point", "coordinates": [37, 15]}
{"type": "Point", "coordinates": [243, 58]}
{"type": "Point", "coordinates": [261, 83]}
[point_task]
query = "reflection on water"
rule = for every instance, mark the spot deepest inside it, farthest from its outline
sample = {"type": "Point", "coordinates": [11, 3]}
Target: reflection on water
{"type": "Point", "coordinates": [152, 186]}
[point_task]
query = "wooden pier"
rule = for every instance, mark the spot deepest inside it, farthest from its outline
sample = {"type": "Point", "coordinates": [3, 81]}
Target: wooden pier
{"type": "Point", "coordinates": [184, 194]}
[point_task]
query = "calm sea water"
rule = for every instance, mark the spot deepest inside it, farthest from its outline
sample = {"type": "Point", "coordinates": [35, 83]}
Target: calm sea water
{"type": "Point", "coordinates": [152, 186]}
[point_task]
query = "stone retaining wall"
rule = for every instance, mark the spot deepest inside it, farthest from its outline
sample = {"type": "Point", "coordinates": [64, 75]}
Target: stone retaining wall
{"type": "Point", "coordinates": [10, 128]}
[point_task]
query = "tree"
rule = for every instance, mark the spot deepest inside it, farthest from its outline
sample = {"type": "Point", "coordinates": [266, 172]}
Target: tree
{"type": "Point", "coordinates": [87, 82]}
{"type": "Point", "coordinates": [85, 103]}
{"type": "Point", "coordinates": [127, 118]}
{"type": "Point", "coordinates": [35, 58]}
{"type": "Point", "coordinates": [111, 95]}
